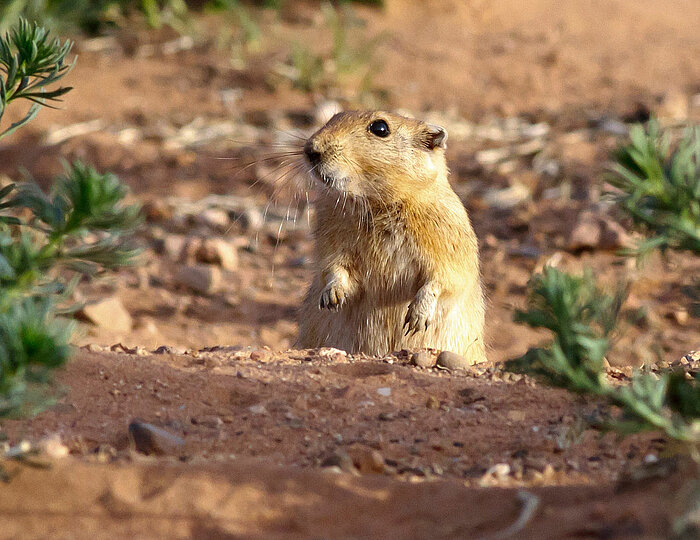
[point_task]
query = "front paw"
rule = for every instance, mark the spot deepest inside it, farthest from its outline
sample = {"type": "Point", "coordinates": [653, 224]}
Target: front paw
{"type": "Point", "coordinates": [333, 297]}
{"type": "Point", "coordinates": [419, 316]}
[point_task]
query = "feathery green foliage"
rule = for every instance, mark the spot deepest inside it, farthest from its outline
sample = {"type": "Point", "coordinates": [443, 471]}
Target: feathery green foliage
{"type": "Point", "coordinates": [30, 62]}
{"type": "Point", "coordinates": [33, 342]}
{"type": "Point", "coordinates": [48, 241]}
{"type": "Point", "coordinates": [93, 16]}
{"type": "Point", "coordinates": [581, 318]}
{"type": "Point", "coordinates": [660, 188]}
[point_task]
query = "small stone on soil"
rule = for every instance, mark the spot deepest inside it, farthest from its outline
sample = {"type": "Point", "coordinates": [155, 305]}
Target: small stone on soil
{"type": "Point", "coordinates": [108, 313]}
{"type": "Point", "coordinates": [167, 349]}
{"type": "Point", "coordinates": [218, 251]}
{"type": "Point", "coordinates": [54, 447]}
{"type": "Point", "coordinates": [432, 402]}
{"type": "Point", "coordinates": [173, 246]}
{"type": "Point", "coordinates": [516, 416]}
{"type": "Point", "coordinates": [212, 422]}
{"type": "Point", "coordinates": [422, 359]}
{"type": "Point", "coordinates": [214, 218]}
{"type": "Point", "coordinates": [495, 474]}
{"type": "Point", "coordinates": [260, 355]}
{"type": "Point", "coordinates": [341, 460]}
{"type": "Point", "coordinates": [367, 460]}
{"type": "Point", "coordinates": [200, 278]}
{"type": "Point", "coordinates": [257, 409]}
{"type": "Point", "coordinates": [450, 360]}
{"type": "Point", "coordinates": [594, 231]}
{"type": "Point", "coordinates": [152, 440]}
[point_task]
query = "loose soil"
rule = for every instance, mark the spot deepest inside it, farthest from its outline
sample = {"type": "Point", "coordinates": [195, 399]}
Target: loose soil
{"type": "Point", "coordinates": [286, 443]}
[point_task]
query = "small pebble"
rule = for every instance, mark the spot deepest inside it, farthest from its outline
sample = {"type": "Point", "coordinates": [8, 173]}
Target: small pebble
{"type": "Point", "coordinates": [54, 447]}
{"type": "Point", "coordinates": [422, 359]}
{"type": "Point", "coordinates": [213, 422]}
{"type": "Point", "coordinates": [367, 460]}
{"type": "Point", "coordinates": [260, 355]}
{"type": "Point", "coordinates": [432, 402]}
{"type": "Point", "coordinates": [341, 460]}
{"type": "Point", "coordinates": [499, 470]}
{"type": "Point", "coordinates": [167, 349]}
{"type": "Point", "coordinates": [257, 409]}
{"type": "Point", "coordinates": [450, 360]}
{"type": "Point", "coordinates": [200, 278]}
{"type": "Point", "coordinates": [152, 440]}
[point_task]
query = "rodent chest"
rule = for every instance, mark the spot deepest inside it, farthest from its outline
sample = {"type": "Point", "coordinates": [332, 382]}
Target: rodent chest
{"type": "Point", "coordinates": [385, 268]}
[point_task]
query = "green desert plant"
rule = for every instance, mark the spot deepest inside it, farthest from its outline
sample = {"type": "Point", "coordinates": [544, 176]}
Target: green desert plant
{"type": "Point", "coordinates": [660, 188]}
{"type": "Point", "coordinates": [48, 241]}
{"type": "Point", "coordinates": [581, 317]}
{"type": "Point", "coordinates": [31, 63]}
{"type": "Point", "coordinates": [93, 16]}
{"type": "Point", "coordinates": [33, 342]}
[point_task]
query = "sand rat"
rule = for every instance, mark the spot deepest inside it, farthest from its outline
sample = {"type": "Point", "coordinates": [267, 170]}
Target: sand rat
{"type": "Point", "coordinates": [396, 259]}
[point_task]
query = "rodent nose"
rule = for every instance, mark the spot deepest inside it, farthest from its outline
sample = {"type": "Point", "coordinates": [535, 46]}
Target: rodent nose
{"type": "Point", "coordinates": [313, 155]}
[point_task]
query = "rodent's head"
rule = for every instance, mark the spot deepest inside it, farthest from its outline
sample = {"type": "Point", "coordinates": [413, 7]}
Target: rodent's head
{"type": "Point", "coordinates": [375, 154]}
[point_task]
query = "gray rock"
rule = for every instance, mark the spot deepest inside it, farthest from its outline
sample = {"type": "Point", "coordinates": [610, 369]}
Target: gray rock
{"type": "Point", "coordinates": [450, 360]}
{"type": "Point", "coordinates": [340, 459]}
{"type": "Point", "coordinates": [201, 278]}
{"type": "Point", "coordinates": [586, 233]}
{"type": "Point", "coordinates": [167, 349]}
{"type": "Point", "coordinates": [214, 218]}
{"type": "Point", "coordinates": [218, 251]}
{"type": "Point", "coordinates": [507, 197]}
{"type": "Point", "coordinates": [108, 313]}
{"type": "Point", "coordinates": [152, 440]}
{"type": "Point", "coordinates": [613, 126]}
{"type": "Point", "coordinates": [252, 219]}
{"type": "Point", "coordinates": [597, 231]}
{"type": "Point", "coordinates": [174, 246]}
{"type": "Point", "coordinates": [422, 359]}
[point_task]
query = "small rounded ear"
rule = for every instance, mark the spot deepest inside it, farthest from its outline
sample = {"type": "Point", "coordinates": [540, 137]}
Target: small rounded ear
{"type": "Point", "coordinates": [435, 136]}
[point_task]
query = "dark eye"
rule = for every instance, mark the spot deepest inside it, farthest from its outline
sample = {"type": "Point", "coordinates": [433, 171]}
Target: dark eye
{"type": "Point", "coordinates": [379, 128]}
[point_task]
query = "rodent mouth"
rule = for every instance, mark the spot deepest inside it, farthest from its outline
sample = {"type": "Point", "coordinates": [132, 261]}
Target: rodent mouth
{"type": "Point", "coordinates": [326, 179]}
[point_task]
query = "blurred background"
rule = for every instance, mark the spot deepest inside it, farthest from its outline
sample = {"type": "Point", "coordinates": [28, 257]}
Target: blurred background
{"type": "Point", "coordinates": [192, 104]}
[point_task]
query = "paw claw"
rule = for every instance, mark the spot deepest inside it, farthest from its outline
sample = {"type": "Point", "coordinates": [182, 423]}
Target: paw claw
{"type": "Point", "coordinates": [332, 297]}
{"type": "Point", "coordinates": [416, 321]}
